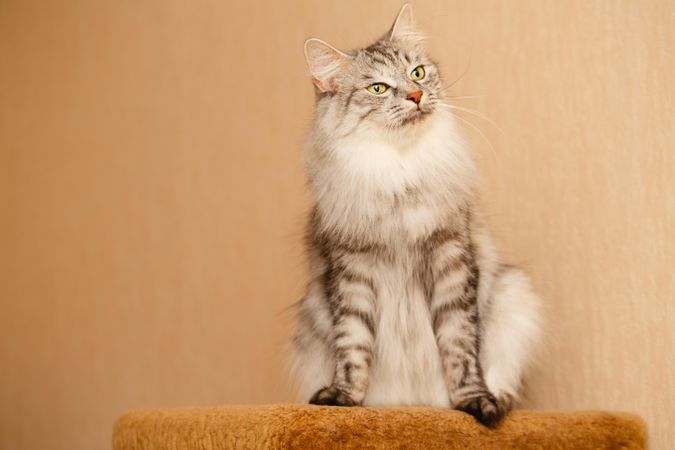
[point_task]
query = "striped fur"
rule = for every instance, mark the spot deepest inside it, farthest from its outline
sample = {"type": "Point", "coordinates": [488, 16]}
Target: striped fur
{"type": "Point", "coordinates": [408, 302]}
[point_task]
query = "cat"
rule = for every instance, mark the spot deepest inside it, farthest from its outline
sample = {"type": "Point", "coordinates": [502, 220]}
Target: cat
{"type": "Point", "coordinates": [408, 302]}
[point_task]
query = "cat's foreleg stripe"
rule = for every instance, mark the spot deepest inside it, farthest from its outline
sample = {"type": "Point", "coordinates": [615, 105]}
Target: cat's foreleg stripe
{"type": "Point", "coordinates": [354, 277]}
{"type": "Point", "coordinates": [356, 296]}
{"type": "Point", "coordinates": [353, 356]}
{"type": "Point", "coordinates": [354, 326]}
{"type": "Point", "coordinates": [450, 297]}
{"type": "Point", "coordinates": [352, 331]}
{"type": "Point", "coordinates": [363, 316]}
{"type": "Point", "coordinates": [449, 257]}
{"type": "Point", "coordinates": [454, 314]}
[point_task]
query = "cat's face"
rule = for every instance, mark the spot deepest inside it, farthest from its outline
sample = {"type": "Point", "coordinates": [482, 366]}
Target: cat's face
{"type": "Point", "coordinates": [391, 84]}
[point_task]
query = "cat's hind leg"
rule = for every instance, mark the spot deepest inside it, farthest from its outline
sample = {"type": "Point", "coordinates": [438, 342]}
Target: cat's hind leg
{"type": "Point", "coordinates": [312, 363]}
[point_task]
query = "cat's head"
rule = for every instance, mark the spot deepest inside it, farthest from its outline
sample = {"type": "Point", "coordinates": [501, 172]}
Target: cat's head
{"type": "Point", "coordinates": [390, 84]}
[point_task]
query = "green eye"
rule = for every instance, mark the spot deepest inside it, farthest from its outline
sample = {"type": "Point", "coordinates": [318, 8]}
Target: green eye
{"type": "Point", "coordinates": [377, 88]}
{"type": "Point", "coordinates": [418, 73]}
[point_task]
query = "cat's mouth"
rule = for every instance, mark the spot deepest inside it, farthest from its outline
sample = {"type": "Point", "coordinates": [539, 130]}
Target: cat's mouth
{"type": "Point", "coordinates": [415, 116]}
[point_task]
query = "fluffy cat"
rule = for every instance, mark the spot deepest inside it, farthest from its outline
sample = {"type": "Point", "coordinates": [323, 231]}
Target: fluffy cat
{"type": "Point", "coordinates": [408, 302]}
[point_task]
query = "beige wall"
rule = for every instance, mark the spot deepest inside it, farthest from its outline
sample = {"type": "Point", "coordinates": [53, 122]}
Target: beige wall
{"type": "Point", "coordinates": [152, 199]}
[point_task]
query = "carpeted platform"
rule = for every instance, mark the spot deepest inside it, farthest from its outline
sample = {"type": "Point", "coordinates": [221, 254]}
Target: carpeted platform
{"type": "Point", "coordinates": [320, 427]}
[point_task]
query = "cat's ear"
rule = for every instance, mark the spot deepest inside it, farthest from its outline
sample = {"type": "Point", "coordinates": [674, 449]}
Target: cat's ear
{"type": "Point", "coordinates": [324, 62]}
{"type": "Point", "coordinates": [404, 25]}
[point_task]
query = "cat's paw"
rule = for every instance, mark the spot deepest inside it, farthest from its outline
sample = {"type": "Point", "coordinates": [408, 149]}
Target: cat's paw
{"type": "Point", "coordinates": [332, 396]}
{"type": "Point", "coordinates": [484, 407]}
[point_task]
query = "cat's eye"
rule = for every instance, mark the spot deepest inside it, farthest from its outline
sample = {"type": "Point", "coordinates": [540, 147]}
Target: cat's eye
{"type": "Point", "coordinates": [377, 88]}
{"type": "Point", "coordinates": [418, 73]}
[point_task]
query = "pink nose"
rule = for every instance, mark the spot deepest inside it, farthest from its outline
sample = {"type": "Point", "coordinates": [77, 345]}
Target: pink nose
{"type": "Point", "coordinates": [414, 96]}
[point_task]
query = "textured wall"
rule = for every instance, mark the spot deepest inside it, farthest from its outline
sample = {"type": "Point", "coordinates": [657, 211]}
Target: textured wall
{"type": "Point", "coordinates": [152, 199]}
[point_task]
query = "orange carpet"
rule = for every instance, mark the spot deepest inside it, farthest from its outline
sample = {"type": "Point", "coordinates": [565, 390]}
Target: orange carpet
{"type": "Point", "coordinates": [290, 426]}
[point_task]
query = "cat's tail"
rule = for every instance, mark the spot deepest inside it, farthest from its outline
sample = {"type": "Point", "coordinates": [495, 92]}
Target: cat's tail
{"type": "Point", "coordinates": [512, 335]}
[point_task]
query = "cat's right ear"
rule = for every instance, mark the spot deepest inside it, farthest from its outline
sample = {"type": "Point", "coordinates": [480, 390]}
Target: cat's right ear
{"type": "Point", "coordinates": [325, 63]}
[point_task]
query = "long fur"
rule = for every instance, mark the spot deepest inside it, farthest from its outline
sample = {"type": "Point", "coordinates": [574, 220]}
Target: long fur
{"type": "Point", "coordinates": [385, 188]}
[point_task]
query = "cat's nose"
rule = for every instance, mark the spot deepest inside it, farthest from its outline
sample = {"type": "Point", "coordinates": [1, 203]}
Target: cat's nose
{"type": "Point", "coordinates": [414, 96]}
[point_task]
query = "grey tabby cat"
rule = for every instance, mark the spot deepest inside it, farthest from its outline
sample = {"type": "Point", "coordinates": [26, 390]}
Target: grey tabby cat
{"type": "Point", "coordinates": [408, 302]}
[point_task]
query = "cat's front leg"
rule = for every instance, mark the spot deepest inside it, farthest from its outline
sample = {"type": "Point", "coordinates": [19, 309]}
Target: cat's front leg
{"type": "Point", "coordinates": [352, 298]}
{"type": "Point", "coordinates": [455, 321]}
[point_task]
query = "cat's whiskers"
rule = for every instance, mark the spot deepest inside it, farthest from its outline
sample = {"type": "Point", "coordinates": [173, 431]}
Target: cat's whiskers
{"type": "Point", "coordinates": [462, 97]}
{"type": "Point", "coordinates": [450, 109]}
{"type": "Point", "coordinates": [474, 112]}
{"type": "Point", "coordinates": [478, 131]}
{"type": "Point", "coordinates": [466, 70]}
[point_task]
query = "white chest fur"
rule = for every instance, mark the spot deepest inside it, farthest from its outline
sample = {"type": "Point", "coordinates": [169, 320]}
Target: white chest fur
{"type": "Point", "coordinates": [391, 187]}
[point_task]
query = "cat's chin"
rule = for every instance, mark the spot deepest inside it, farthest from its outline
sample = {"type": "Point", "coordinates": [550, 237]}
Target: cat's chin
{"type": "Point", "coordinates": [414, 118]}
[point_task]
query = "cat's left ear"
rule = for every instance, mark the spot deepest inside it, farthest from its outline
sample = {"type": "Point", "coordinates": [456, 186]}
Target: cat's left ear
{"type": "Point", "coordinates": [404, 25]}
{"type": "Point", "coordinates": [325, 63]}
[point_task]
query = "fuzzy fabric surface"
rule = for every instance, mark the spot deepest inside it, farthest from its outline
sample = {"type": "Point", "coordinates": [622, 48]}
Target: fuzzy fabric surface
{"type": "Point", "coordinates": [290, 426]}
